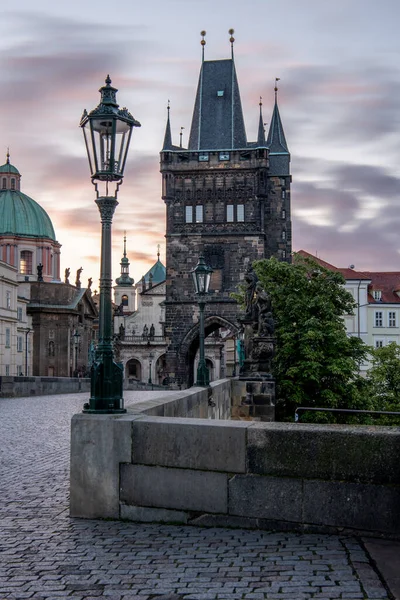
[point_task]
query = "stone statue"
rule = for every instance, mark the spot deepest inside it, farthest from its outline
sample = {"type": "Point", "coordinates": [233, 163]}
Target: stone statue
{"type": "Point", "coordinates": [152, 331]}
{"type": "Point", "coordinates": [264, 312]}
{"type": "Point", "coordinates": [121, 331]}
{"type": "Point", "coordinates": [251, 282]}
{"type": "Point", "coordinates": [66, 277]}
{"type": "Point", "coordinates": [89, 283]}
{"type": "Point", "coordinates": [40, 272]}
{"type": "Point", "coordinates": [150, 280]}
{"type": "Point", "coordinates": [78, 277]}
{"type": "Point", "coordinates": [145, 331]}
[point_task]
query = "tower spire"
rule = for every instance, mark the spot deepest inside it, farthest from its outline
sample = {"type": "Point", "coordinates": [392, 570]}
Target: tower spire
{"type": "Point", "coordinates": [261, 130]}
{"type": "Point", "coordinates": [167, 137]}
{"type": "Point", "coordinates": [124, 244]}
{"type": "Point", "coordinates": [203, 43]}
{"type": "Point", "coordinates": [231, 39]}
{"type": "Point", "coordinates": [124, 279]}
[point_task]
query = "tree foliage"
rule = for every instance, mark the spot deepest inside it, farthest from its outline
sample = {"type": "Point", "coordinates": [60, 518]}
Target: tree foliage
{"type": "Point", "coordinates": [316, 363]}
{"type": "Point", "coordinates": [383, 381]}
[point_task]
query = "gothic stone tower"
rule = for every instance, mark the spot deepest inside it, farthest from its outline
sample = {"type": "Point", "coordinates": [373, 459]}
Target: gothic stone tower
{"type": "Point", "coordinates": [226, 198]}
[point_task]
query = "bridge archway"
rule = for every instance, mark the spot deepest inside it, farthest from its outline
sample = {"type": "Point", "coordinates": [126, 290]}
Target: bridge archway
{"type": "Point", "coordinates": [191, 342]}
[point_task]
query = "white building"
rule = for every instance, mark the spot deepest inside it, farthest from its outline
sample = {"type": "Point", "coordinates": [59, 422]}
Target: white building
{"type": "Point", "coordinates": [15, 325]}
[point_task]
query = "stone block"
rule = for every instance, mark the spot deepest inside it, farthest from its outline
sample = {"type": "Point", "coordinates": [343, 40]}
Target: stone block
{"type": "Point", "coordinates": [98, 444]}
{"type": "Point", "coordinates": [265, 497]}
{"type": "Point", "coordinates": [330, 452]}
{"type": "Point", "coordinates": [141, 514]}
{"type": "Point", "coordinates": [190, 444]}
{"type": "Point", "coordinates": [353, 505]}
{"type": "Point", "coordinates": [181, 489]}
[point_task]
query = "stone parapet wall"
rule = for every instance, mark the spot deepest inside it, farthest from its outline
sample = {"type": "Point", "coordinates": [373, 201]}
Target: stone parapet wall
{"type": "Point", "coordinates": [19, 387]}
{"type": "Point", "coordinates": [234, 473]}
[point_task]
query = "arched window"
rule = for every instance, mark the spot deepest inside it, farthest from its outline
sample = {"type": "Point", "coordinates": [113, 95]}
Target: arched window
{"type": "Point", "coordinates": [13, 184]}
{"type": "Point", "coordinates": [124, 300]}
{"type": "Point", "coordinates": [25, 264]}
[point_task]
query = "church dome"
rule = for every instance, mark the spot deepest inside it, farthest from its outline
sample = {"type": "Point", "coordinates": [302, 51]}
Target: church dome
{"type": "Point", "coordinates": [19, 214]}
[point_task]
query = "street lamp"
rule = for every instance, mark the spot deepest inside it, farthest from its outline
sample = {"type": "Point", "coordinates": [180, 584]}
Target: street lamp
{"type": "Point", "coordinates": [76, 345]}
{"type": "Point", "coordinates": [107, 130]}
{"type": "Point", "coordinates": [201, 279]}
{"type": "Point", "coordinates": [151, 356]}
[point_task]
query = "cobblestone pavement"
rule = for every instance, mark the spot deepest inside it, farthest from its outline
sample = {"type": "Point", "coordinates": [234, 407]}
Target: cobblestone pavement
{"type": "Point", "coordinates": [46, 555]}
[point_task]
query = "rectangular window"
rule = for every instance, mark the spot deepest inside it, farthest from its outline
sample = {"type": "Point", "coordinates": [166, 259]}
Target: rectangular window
{"type": "Point", "coordinates": [283, 214]}
{"type": "Point", "coordinates": [283, 194]}
{"type": "Point", "coordinates": [199, 213]}
{"type": "Point", "coordinates": [283, 235]}
{"type": "Point", "coordinates": [392, 319]}
{"type": "Point", "coordinates": [19, 313]}
{"type": "Point", "coordinates": [378, 318]}
{"type": "Point", "coordinates": [378, 343]}
{"type": "Point", "coordinates": [7, 369]}
{"type": "Point", "coordinates": [19, 343]}
{"type": "Point", "coordinates": [229, 213]}
{"type": "Point", "coordinates": [240, 213]}
{"type": "Point", "coordinates": [8, 299]}
{"type": "Point", "coordinates": [8, 338]}
{"type": "Point", "coordinates": [188, 214]}
{"type": "Point", "coordinates": [26, 262]}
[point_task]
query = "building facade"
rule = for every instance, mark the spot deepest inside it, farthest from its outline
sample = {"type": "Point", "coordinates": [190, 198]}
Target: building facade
{"type": "Point", "coordinates": [226, 199]}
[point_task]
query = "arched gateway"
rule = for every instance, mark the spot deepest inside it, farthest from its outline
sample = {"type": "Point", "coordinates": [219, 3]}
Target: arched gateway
{"type": "Point", "coordinates": [226, 199]}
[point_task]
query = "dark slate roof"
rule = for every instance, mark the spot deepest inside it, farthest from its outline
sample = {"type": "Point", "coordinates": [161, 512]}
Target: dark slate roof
{"type": "Point", "coordinates": [261, 132]}
{"type": "Point", "coordinates": [217, 122]}
{"type": "Point", "coordinates": [276, 141]}
{"type": "Point", "coordinates": [167, 145]}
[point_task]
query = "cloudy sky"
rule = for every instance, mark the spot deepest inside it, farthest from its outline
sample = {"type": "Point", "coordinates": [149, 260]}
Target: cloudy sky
{"type": "Point", "coordinates": [339, 98]}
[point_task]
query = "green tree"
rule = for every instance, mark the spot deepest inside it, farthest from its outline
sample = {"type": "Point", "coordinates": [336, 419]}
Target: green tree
{"type": "Point", "coordinates": [383, 381]}
{"type": "Point", "coordinates": [316, 363]}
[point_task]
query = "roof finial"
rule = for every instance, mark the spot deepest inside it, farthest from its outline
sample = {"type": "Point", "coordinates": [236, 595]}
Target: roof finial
{"type": "Point", "coordinates": [276, 87]}
{"type": "Point", "coordinates": [231, 39]}
{"type": "Point", "coordinates": [168, 106]}
{"type": "Point", "coordinates": [203, 43]}
{"type": "Point", "coordinates": [8, 155]}
{"type": "Point", "coordinates": [158, 251]}
{"type": "Point", "coordinates": [180, 136]}
{"type": "Point", "coordinates": [124, 244]}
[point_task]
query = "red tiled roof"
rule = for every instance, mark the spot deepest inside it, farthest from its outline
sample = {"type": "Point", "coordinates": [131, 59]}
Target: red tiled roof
{"type": "Point", "coordinates": [346, 272]}
{"type": "Point", "coordinates": [388, 282]}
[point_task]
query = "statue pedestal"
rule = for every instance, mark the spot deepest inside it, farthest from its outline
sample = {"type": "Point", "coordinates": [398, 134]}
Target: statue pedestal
{"type": "Point", "coordinates": [258, 396]}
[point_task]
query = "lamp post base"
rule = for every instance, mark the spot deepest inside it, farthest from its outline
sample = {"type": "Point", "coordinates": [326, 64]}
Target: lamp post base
{"type": "Point", "coordinates": [106, 387]}
{"type": "Point", "coordinates": [203, 376]}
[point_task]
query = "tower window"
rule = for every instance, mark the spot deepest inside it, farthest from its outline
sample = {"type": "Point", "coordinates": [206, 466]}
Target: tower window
{"type": "Point", "coordinates": [13, 184]}
{"type": "Point", "coordinates": [25, 265]}
{"type": "Point", "coordinates": [4, 186]}
{"type": "Point", "coordinates": [283, 194]}
{"type": "Point", "coordinates": [199, 213]}
{"type": "Point", "coordinates": [235, 212]}
{"type": "Point", "coordinates": [188, 214]}
{"type": "Point", "coordinates": [220, 93]}
{"type": "Point", "coordinates": [283, 235]}
{"type": "Point", "coordinates": [283, 214]}
{"type": "Point", "coordinates": [124, 300]}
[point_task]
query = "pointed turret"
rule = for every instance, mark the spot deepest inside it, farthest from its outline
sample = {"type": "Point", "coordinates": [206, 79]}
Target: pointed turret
{"type": "Point", "coordinates": [125, 280]}
{"type": "Point", "coordinates": [276, 142]}
{"type": "Point", "coordinates": [217, 122]}
{"type": "Point", "coordinates": [167, 137]}
{"type": "Point", "coordinates": [261, 130]}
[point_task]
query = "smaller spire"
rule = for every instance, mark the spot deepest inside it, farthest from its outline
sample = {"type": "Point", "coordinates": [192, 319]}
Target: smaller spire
{"type": "Point", "coordinates": [203, 43]}
{"type": "Point", "coordinates": [261, 130]}
{"type": "Point", "coordinates": [276, 141]}
{"type": "Point", "coordinates": [167, 137]}
{"type": "Point", "coordinates": [8, 155]}
{"type": "Point", "coordinates": [124, 244]}
{"type": "Point", "coordinates": [231, 39]}
{"type": "Point", "coordinates": [158, 251]}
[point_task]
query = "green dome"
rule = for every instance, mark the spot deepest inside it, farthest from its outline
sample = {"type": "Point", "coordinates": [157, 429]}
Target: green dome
{"type": "Point", "coordinates": [20, 215]}
{"type": "Point", "coordinates": [7, 168]}
{"type": "Point", "coordinates": [158, 272]}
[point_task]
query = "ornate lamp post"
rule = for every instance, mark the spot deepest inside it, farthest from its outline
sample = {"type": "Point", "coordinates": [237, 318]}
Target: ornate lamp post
{"type": "Point", "coordinates": [76, 345]}
{"type": "Point", "coordinates": [201, 279]}
{"type": "Point", "coordinates": [151, 356]}
{"type": "Point", "coordinates": [107, 131]}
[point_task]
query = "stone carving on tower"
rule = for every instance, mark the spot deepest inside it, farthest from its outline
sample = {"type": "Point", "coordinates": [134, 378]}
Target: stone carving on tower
{"type": "Point", "coordinates": [226, 198]}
